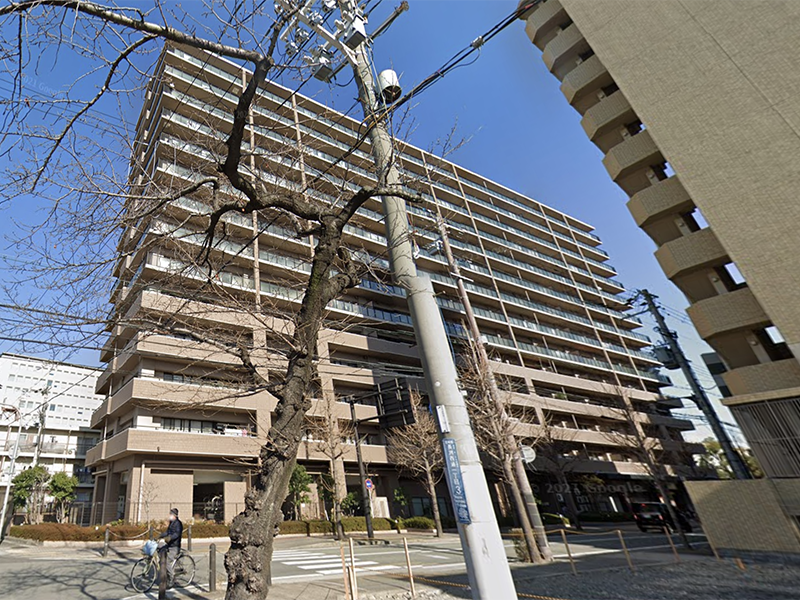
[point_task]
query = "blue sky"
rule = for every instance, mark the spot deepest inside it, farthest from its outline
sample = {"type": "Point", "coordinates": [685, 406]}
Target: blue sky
{"type": "Point", "coordinates": [522, 132]}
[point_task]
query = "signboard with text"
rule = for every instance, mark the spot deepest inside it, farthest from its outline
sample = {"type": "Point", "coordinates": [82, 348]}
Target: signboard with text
{"type": "Point", "coordinates": [457, 492]}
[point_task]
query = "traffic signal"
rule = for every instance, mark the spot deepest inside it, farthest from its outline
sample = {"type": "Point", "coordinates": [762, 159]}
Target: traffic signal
{"type": "Point", "coordinates": [394, 403]}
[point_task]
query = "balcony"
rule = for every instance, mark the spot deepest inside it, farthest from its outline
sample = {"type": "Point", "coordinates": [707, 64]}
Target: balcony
{"type": "Point", "coordinates": [152, 390]}
{"type": "Point", "coordinates": [664, 199]}
{"type": "Point", "coordinates": [609, 114]}
{"type": "Point", "coordinates": [564, 47]}
{"type": "Point", "coordinates": [636, 153]}
{"type": "Point", "coordinates": [165, 442]}
{"type": "Point", "coordinates": [691, 252]}
{"type": "Point", "coordinates": [726, 313]}
{"type": "Point", "coordinates": [762, 378]}
{"type": "Point", "coordinates": [588, 76]}
{"type": "Point", "coordinates": [543, 20]}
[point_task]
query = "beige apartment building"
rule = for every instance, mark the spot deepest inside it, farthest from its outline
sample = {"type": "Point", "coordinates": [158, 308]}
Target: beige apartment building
{"type": "Point", "coordinates": [696, 108]}
{"type": "Point", "coordinates": [177, 427]}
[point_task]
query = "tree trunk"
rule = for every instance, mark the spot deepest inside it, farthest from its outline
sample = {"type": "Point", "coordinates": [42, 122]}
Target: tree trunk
{"type": "Point", "coordinates": [339, 492]}
{"type": "Point", "coordinates": [531, 508]}
{"type": "Point", "coordinates": [570, 500]}
{"type": "Point", "coordinates": [522, 512]}
{"type": "Point", "coordinates": [252, 532]}
{"type": "Point", "coordinates": [437, 517]}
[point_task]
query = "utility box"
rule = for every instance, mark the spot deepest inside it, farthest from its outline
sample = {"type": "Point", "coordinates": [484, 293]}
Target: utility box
{"type": "Point", "coordinates": [355, 34]}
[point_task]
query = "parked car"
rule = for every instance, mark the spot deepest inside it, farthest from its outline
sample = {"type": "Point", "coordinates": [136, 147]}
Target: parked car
{"type": "Point", "coordinates": [654, 515]}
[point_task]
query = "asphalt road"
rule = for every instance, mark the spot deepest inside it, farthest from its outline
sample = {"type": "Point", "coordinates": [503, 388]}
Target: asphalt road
{"type": "Point", "coordinates": [81, 574]}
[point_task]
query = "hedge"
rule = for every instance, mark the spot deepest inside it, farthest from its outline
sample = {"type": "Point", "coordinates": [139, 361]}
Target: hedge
{"type": "Point", "coordinates": [57, 532]}
{"type": "Point", "coordinates": [419, 523]}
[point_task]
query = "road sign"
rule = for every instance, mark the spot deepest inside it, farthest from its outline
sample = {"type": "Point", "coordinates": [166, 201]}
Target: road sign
{"type": "Point", "coordinates": [369, 485]}
{"type": "Point", "coordinates": [453, 470]}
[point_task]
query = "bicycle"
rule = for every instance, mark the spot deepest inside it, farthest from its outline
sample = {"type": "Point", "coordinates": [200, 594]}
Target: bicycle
{"type": "Point", "coordinates": [145, 570]}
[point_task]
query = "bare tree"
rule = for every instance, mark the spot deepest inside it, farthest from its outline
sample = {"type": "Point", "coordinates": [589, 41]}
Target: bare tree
{"type": "Point", "coordinates": [556, 452]}
{"type": "Point", "coordinates": [327, 432]}
{"type": "Point", "coordinates": [73, 159]}
{"type": "Point", "coordinates": [647, 451]}
{"type": "Point", "coordinates": [496, 432]}
{"type": "Point", "coordinates": [416, 449]}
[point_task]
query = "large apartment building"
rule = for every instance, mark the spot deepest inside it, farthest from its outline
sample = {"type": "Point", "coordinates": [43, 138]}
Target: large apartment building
{"type": "Point", "coordinates": [176, 430]}
{"type": "Point", "coordinates": [694, 105]}
{"type": "Point", "coordinates": [54, 402]}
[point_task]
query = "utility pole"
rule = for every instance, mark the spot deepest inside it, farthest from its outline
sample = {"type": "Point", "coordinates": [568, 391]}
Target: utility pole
{"type": "Point", "coordinates": [738, 466]}
{"type": "Point", "coordinates": [484, 552]}
{"type": "Point", "coordinates": [528, 511]}
{"type": "Point", "coordinates": [11, 469]}
{"type": "Point", "coordinates": [366, 505]}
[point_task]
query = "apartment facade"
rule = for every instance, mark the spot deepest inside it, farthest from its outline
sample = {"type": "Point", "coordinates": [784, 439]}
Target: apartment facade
{"type": "Point", "coordinates": [694, 105]}
{"type": "Point", "coordinates": [55, 401]}
{"type": "Point", "coordinates": [177, 428]}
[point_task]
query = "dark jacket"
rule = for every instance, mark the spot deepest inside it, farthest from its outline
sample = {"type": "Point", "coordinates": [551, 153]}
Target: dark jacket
{"type": "Point", "coordinates": [173, 534]}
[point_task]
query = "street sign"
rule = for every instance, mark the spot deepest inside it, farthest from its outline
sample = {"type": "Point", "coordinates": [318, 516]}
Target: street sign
{"type": "Point", "coordinates": [453, 470]}
{"type": "Point", "coordinates": [528, 454]}
{"type": "Point", "coordinates": [369, 485]}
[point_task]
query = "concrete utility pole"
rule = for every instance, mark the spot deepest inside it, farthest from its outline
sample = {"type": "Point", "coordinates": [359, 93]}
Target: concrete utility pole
{"type": "Point", "coordinates": [738, 466]}
{"type": "Point", "coordinates": [527, 509]}
{"type": "Point", "coordinates": [11, 469]}
{"type": "Point", "coordinates": [484, 553]}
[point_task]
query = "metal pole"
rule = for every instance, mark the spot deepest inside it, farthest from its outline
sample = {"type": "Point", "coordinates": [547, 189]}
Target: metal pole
{"type": "Point", "coordinates": [569, 553]}
{"type": "Point", "coordinates": [11, 469]}
{"type": "Point", "coordinates": [106, 538]}
{"type": "Point", "coordinates": [523, 484]}
{"type": "Point", "coordinates": [672, 545]}
{"type": "Point", "coordinates": [212, 568]}
{"type": "Point", "coordinates": [410, 571]}
{"type": "Point", "coordinates": [345, 574]}
{"type": "Point", "coordinates": [625, 550]}
{"type": "Point", "coordinates": [484, 553]}
{"type": "Point", "coordinates": [189, 538]}
{"type": "Point", "coordinates": [354, 580]}
{"type": "Point", "coordinates": [162, 573]}
{"type": "Point", "coordinates": [362, 474]}
{"type": "Point", "coordinates": [735, 460]}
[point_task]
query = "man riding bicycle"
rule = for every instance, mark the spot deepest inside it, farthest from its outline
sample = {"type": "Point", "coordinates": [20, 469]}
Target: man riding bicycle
{"type": "Point", "coordinates": [170, 542]}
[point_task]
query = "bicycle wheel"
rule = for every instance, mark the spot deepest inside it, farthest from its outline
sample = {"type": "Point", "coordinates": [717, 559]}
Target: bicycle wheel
{"type": "Point", "coordinates": [183, 569]}
{"type": "Point", "coordinates": [143, 575]}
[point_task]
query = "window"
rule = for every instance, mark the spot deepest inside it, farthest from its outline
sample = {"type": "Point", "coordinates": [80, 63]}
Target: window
{"type": "Point", "coordinates": [774, 335]}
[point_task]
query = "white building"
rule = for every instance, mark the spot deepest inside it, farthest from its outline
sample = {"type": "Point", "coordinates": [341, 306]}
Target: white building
{"type": "Point", "coordinates": [55, 402]}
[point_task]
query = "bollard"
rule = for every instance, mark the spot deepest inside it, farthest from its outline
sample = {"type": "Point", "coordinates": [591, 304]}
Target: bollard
{"type": "Point", "coordinates": [354, 580]}
{"type": "Point", "coordinates": [212, 568]}
{"type": "Point", "coordinates": [739, 564]}
{"type": "Point", "coordinates": [345, 574]}
{"type": "Point", "coordinates": [106, 537]}
{"type": "Point", "coordinates": [569, 553]}
{"type": "Point", "coordinates": [672, 545]}
{"type": "Point", "coordinates": [152, 533]}
{"type": "Point", "coordinates": [625, 550]}
{"type": "Point", "coordinates": [162, 574]}
{"type": "Point", "coordinates": [410, 572]}
{"type": "Point", "coordinates": [189, 538]}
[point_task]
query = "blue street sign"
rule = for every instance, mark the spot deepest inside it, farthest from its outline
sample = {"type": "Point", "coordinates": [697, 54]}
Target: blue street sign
{"type": "Point", "coordinates": [457, 493]}
{"type": "Point", "coordinates": [368, 484]}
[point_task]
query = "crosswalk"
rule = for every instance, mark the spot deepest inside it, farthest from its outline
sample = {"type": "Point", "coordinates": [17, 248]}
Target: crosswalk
{"type": "Point", "coordinates": [323, 563]}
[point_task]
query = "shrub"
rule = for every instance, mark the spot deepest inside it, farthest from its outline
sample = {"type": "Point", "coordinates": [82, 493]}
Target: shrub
{"type": "Point", "coordinates": [351, 524]}
{"type": "Point", "coordinates": [419, 523]}
{"type": "Point", "coordinates": [293, 527]}
{"type": "Point", "coordinates": [320, 526]}
{"type": "Point", "coordinates": [208, 529]}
